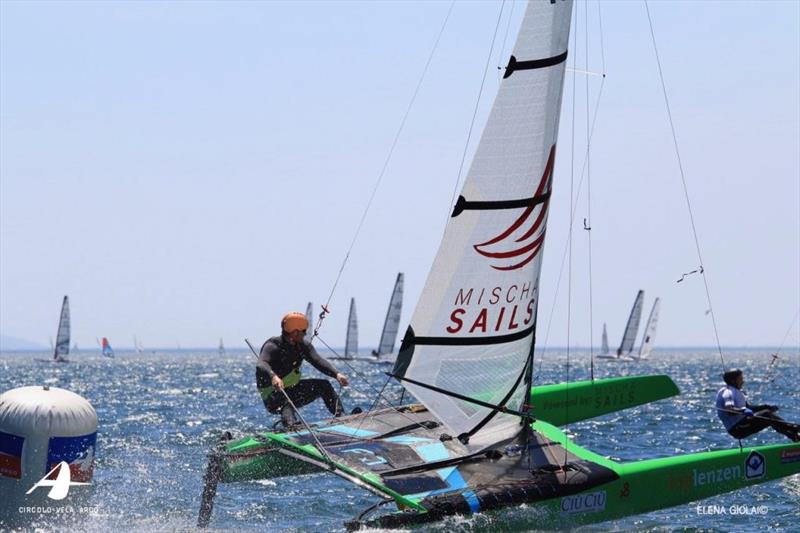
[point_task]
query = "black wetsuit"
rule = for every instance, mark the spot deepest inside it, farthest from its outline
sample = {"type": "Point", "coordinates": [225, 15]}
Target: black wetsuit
{"type": "Point", "coordinates": [763, 417]}
{"type": "Point", "coordinates": [280, 357]}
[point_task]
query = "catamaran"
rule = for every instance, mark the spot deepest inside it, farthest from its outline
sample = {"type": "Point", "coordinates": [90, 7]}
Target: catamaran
{"type": "Point", "coordinates": [385, 351]}
{"type": "Point", "coordinates": [629, 337]}
{"type": "Point", "coordinates": [481, 438]}
{"type": "Point", "coordinates": [649, 337]}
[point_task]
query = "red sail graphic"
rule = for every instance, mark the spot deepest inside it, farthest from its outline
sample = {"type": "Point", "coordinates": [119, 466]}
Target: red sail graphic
{"type": "Point", "coordinates": [523, 249]}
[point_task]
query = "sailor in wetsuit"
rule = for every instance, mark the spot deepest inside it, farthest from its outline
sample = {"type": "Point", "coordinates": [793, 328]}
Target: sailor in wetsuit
{"type": "Point", "coordinates": [278, 367]}
{"type": "Point", "coordinates": [742, 419]}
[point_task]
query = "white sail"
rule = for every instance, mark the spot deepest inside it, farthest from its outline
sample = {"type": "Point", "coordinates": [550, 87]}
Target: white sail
{"type": "Point", "coordinates": [61, 350]}
{"type": "Point", "coordinates": [632, 327]}
{"type": "Point", "coordinates": [221, 347]}
{"type": "Point", "coordinates": [310, 319]}
{"type": "Point", "coordinates": [604, 349]}
{"type": "Point", "coordinates": [392, 322]}
{"type": "Point", "coordinates": [472, 330]}
{"type": "Point", "coordinates": [650, 332]}
{"type": "Point", "coordinates": [351, 342]}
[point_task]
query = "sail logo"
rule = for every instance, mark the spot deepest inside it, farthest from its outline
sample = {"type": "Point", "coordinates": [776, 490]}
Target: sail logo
{"type": "Point", "coordinates": [59, 487]}
{"type": "Point", "coordinates": [493, 310]}
{"type": "Point", "coordinates": [592, 502]}
{"type": "Point", "coordinates": [755, 466]}
{"type": "Point", "coordinates": [521, 242]}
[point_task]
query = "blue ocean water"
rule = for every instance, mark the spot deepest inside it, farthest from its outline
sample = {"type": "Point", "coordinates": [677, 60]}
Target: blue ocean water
{"type": "Point", "coordinates": [160, 414]}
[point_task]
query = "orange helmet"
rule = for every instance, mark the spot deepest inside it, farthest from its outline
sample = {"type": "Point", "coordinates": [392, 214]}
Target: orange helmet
{"type": "Point", "coordinates": [294, 321]}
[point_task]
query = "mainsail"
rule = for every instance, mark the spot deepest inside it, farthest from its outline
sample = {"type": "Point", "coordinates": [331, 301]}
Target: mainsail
{"type": "Point", "coordinates": [108, 351]}
{"type": "Point", "coordinates": [221, 348]}
{"type": "Point", "coordinates": [61, 349]}
{"type": "Point", "coordinates": [472, 331]}
{"type": "Point", "coordinates": [650, 332]}
{"type": "Point", "coordinates": [392, 322]}
{"type": "Point", "coordinates": [351, 341]}
{"type": "Point", "coordinates": [604, 349]}
{"type": "Point", "coordinates": [632, 327]}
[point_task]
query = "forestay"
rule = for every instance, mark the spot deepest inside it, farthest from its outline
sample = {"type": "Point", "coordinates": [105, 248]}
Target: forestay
{"type": "Point", "coordinates": [392, 322]}
{"type": "Point", "coordinates": [632, 327]}
{"type": "Point", "coordinates": [351, 341]}
{"type": "Point", "coordinates": [62, 337]}
{"type": "Point", "coordinates": [472, 329]}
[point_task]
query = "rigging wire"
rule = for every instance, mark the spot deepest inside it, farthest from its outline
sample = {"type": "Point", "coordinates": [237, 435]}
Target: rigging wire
{"type": "Point", "coordinates": [702, 270]}
{"type": "Point", "coordinates": [474, 114]}
{"type": "Point", "coordinates": [388, 158]}
{"type": "Point", "coordinates": [580, 185]}
{"type": "Point", "coordinates": [571, 219]}
{"type": "Point", "coordinates": [773, 364]}
{"type": "Point", "coordinates": [505, 38]}
{"type": "Point", "coordinates": [588, 227]}
{"type": "Point", "coordinates": [380, 396]}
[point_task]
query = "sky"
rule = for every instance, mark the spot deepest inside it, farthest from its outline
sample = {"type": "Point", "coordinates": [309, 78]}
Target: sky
{"type": "Point", "coordinates": [190, 171]}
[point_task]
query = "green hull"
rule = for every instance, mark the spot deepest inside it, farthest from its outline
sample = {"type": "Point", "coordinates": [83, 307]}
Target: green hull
{"type": "Point", "coordinates": [565, 403]}
{"type": "Point", "coordinates": [653, 484]}
{"type": "Point", "coordinates": [609, 490]}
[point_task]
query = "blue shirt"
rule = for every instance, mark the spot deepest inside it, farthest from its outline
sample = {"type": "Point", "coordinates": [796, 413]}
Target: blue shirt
{"type": "Point", "coordinates": [728, 399]}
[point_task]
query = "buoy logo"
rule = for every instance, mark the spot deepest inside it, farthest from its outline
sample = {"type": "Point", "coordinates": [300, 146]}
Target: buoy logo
{"type": "Point", "coordinates": [60, 485]}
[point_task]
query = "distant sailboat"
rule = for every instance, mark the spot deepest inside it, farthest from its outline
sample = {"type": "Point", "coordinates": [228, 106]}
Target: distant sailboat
{"type": "Point", "coordinates": [221, 347]}
{"type": "Point", "coordinates": [108, 351]}
{"type": "Point", "coordinates": [604, 348]}
{"type": "Point", "coordinates": [392, 322]}
{"type": "Point", "coordinates": [631, 329]}
{"type": "Point", "coordinates": [649, 337]}
{"type": "Point", "coordinates": [351, 341]}
{"type": "Point", "coordinates": [137, 345]}
{"type": "Point", "coordinates": [61, 349]}
{"type": "Point", "coordinates": [310, 318]}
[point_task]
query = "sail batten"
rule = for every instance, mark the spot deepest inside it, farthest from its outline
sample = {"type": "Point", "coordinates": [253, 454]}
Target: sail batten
{"type": "Point", "coordinates": [473, 327]}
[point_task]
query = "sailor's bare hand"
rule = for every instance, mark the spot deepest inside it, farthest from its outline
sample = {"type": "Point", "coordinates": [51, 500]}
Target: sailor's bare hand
{"type": "Point", "coordinates": [277, 382]}
{"type": "Point", "coordinates": [342, 379]}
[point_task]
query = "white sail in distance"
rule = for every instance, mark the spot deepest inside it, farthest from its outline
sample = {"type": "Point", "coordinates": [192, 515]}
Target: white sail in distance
{"type": "Point", "coordinates": [649, 337]}
{"type": "Point", "coordinates": [632, 327]}
{"type": "Point", "coordinates": [351, 341]}
{"type": "Point", "coordinates": [392, 322]}
{"type": "Point", "coordinates": [61, 350]}
{"type": "Point", "coordinates": [604, 348]}
{"type": "Point", "coordinates": [472, 329]}
{"type": "Point", "coordinates": [310, 319]}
